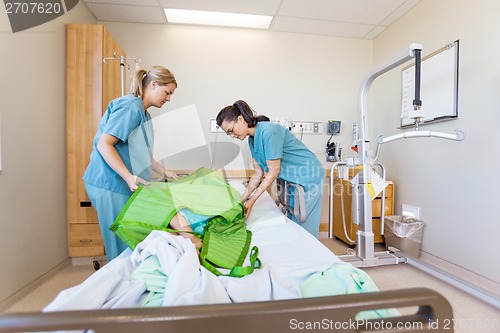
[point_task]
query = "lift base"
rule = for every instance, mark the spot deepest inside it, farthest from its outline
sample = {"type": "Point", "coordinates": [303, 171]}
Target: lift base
{"type": "Point", "coordinates": [379, 259]}
{"type": "Point", "coordinates": [396, 257]}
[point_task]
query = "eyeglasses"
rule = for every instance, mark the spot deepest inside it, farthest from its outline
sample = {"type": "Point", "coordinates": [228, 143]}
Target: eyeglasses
{"type": "Point", "coordinates": [230, 131]}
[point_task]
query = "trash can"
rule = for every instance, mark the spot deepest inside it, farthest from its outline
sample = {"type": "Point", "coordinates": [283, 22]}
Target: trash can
{"type": "Point", "coordinates": [404, 233]}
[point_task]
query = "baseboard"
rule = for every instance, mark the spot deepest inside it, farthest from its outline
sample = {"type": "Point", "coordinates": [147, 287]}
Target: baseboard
{"type": "Point", "coordinates": [88, 261]}
{"type": "Point", "coordinates": [323, 234]}
{"type": "Point", "coordinates": [462, 273]}
{"type": "Point", "coordinates": [12, 299]}
{"type": "Point", "coordinates": [452, 269]}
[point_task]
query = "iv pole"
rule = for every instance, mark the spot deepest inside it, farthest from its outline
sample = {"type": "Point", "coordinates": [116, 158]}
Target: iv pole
{"type": "Point", "coordinates": [122, 59]}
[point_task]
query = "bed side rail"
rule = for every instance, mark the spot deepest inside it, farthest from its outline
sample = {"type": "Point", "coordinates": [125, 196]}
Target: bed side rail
{"type": "Point", "coordinates": [311, 314]}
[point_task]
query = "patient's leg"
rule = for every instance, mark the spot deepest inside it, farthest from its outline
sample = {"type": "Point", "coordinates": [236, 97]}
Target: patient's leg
{"type": "Point", "coordinates": [180, 223]}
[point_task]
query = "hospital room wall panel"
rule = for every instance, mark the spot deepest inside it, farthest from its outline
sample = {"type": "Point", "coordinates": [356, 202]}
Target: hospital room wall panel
{"type": "Point", "coordinates": [453, 183]}
{"type": "Point", "coordinates": [33, 178]}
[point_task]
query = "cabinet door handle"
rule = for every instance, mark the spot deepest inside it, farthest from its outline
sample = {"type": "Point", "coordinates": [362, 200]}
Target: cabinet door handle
{"type": "Point", "coordinates": [85, 240]}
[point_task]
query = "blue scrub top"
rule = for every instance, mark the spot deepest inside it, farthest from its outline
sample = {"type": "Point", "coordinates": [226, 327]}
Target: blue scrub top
{"type": "Point", "coordinates": [299, 165]}
{"type": "Point", "coordinates": [125, 119]}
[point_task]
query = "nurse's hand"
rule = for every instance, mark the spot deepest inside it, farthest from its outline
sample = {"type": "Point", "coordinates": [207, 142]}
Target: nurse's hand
{"type": "Point", "coordinates": [170, 174]}
{"type": "Point", "coordinates": [135, 181]}
{"type": "Point", "coordinates": [248, 206]}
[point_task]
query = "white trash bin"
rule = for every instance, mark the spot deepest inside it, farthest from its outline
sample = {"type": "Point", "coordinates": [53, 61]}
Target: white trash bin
{"type": "Point", "coordinates": [404, 233]}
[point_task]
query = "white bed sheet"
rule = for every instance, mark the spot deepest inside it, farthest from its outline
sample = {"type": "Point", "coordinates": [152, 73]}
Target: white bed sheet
{"type": "Point", "coordinates": [280, 240]}
{"type": "Point", "coordinates": [289, 255]}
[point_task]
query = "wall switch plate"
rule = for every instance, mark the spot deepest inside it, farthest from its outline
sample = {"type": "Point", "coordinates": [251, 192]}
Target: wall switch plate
{"type": "Point", "coordinates": [410, 211]}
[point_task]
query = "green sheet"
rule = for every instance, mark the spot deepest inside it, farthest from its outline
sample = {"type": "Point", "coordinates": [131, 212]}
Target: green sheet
{"type": "Point", "coordinates": [152, 207]}
{"type": "Point", "coordinates": [226, 240]}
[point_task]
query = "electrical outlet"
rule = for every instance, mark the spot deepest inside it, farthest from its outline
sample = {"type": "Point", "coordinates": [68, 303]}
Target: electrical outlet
{"type": "Point", "coordinates": [214, 128]}
{"type": "Point", "coordinates": [307, 127]}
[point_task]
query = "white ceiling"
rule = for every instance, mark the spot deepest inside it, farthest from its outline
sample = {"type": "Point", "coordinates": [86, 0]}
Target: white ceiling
{"type": "Point", "coordinates": [363, 19]}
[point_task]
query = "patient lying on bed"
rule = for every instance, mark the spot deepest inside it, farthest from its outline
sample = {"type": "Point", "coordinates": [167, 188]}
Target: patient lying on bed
{"type": "Point", "coordinates": [183, 207]}
{"type": "Point", "coordinates": [186, 220]}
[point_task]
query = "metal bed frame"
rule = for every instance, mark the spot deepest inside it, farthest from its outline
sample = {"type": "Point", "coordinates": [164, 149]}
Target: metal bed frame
{"type": "Point", "coordinates": [314, 314]}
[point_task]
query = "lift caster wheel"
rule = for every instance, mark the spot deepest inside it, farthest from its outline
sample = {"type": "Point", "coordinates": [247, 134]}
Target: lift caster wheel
{"type": "Point", "coordinates": [96, 265]}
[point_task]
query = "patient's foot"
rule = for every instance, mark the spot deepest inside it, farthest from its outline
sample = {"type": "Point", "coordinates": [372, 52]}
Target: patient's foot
{"type": "Point", "coordinates": [195, 240]}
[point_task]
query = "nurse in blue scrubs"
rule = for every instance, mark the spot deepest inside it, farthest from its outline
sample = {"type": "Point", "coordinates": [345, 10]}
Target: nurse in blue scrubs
{"type": "Point", "coordinates": [122, 154]}
{"type": "Point", "coordinates": [277, 153]}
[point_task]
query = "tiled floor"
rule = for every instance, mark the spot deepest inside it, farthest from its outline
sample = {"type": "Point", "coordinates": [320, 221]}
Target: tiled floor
{"type": "Point", "coordinates": [470, 314]}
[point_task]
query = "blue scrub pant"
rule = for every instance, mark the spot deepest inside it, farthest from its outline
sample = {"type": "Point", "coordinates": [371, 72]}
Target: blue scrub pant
{"type": "Point", "coordinates": [313, 194]}
{"type": "Point", "coordinates": [196, 221]}
{"type": "Point", "coordinates": [108, 205]}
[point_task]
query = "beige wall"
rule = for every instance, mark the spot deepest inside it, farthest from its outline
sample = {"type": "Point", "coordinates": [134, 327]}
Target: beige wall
{"type": "Point", "coordinates": [301, 77]}
{"type": "Point", "coordinates": [32, 181]}
{"type": "Point", "coordinates": [453, 183]}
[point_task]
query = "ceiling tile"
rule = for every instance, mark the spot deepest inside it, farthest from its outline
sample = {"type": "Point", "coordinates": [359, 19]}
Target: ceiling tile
{"type": "Point", "coordinates": [344, 18]}
{"type": "Point", "coordinates": [400, 11]}
{"type": "Point", "coordinates": [329, 28]}
{"type": "Point", "coordinates": [375, 32]}
{"type": "Point", "coordinates": [353, 11]}
{"type": "Point", "coordinates": [127, 13]}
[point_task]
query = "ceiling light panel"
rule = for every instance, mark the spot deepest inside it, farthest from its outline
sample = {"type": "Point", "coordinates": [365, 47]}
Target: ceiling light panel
{"type": "Point", "coordinates": [125, 2]}
{"type": "Point", "coordinates": [217, 18]}
{"type": "Point", "coordinates": [258, 7]}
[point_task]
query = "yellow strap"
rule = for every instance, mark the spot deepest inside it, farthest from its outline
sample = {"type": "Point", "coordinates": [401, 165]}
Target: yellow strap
{"type": "Point", "coordinates": [370, 189]}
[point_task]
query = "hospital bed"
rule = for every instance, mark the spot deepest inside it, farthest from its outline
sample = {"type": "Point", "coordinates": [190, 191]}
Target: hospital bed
{"type": "Point", "coordinates": [272, 299]}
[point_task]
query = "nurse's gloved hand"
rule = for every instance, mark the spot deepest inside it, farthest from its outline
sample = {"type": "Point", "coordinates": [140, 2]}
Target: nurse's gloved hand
{"type": "Point", "coordinates": [135, 181]}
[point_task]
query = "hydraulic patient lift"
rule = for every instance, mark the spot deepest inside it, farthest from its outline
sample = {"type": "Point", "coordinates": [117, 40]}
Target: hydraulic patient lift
{"type": "Point", "coordinates": [362, 202]}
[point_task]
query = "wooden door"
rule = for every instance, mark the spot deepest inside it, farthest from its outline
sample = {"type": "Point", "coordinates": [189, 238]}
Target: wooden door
{"type": "Point", "coordinates": [90, 86]}
{"type": "Point", "coordinates": [83, 112]}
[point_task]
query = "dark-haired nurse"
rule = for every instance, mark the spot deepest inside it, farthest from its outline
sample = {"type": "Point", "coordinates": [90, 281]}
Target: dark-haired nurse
{"type": "Point", "coordinates": [277, 153]}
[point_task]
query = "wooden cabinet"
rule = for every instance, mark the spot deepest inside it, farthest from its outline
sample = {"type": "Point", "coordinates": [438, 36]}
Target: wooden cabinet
{"type": "Point", "coordinates": [342, 206]}
{"type": "Point", "coordinates": [325, 205]}
{"type": "Point", "coordinates": [90, 86]}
